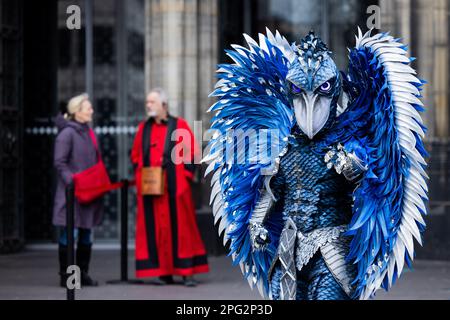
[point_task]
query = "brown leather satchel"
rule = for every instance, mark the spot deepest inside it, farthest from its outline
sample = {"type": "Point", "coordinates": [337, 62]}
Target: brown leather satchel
{"type": "Point", "coordinates": [152, 181]}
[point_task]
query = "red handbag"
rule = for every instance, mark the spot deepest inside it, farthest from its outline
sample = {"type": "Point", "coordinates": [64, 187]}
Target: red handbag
{"type": "Point", "coordinates": [93, 182]}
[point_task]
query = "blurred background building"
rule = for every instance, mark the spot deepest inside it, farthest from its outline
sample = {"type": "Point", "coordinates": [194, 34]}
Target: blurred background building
{"type": "Point", "coordinates": [175, 44]}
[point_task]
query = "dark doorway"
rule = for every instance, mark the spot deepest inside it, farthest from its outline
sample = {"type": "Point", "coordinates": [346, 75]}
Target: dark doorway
{"type": "Point", "coordinates": [11, 124]}
{"type": "Point", "coordinates": [39, 105]}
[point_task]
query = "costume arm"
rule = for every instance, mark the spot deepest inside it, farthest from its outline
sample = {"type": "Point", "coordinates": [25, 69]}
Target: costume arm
{"type": "Point", "coordinates": [258, 233]}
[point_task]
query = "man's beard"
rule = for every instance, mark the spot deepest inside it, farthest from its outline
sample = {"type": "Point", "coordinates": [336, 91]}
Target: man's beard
{"type": "Point", "coordinates": [151, 114]}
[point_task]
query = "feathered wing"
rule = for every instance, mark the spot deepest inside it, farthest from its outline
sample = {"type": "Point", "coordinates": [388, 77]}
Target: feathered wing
{"type": "Point", "coordinates": [383, 117]}
{"type": "Point", "coordinates": [252, 100]}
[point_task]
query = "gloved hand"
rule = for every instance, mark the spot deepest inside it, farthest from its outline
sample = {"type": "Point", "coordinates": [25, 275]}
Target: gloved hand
{"type": "Point", "coordinates": [259, 236]}
{"type": "Point", "coordinates": [346, 163]}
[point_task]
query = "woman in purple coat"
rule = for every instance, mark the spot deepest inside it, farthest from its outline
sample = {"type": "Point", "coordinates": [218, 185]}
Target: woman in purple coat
{"type": "Point", "coordinates": [75, 152]}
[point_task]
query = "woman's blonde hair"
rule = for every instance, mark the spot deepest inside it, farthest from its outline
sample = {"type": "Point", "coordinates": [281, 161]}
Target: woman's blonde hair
{"type": "Point", "coordinates": [74, 105]}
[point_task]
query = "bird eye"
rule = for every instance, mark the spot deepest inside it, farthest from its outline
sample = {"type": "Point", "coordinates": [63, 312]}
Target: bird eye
{"type": "Point", "coordinates": [325, 86]}
{"type": "Point", "coordinates": [295, 89]}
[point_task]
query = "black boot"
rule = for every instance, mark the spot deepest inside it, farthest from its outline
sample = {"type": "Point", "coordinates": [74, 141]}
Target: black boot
{"type": "Point", "coordinates": [189, 281]}
{"type": "Point", "coordinates": [83, 259]}
{"type": "Point", "coordinates": [163, 280]}
{"type": "Point", "coordinates": [62, 256]}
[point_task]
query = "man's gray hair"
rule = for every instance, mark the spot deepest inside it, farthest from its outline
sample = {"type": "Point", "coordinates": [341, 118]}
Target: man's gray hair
{"type": "Point", "coordinates": [162, 95]}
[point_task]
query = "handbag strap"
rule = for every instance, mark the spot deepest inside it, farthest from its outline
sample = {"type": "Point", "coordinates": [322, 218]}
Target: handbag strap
{"type": "Point", "coordinates": [94, 141]}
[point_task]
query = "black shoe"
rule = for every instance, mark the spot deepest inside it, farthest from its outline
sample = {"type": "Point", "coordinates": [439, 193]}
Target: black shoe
{"type": "Point", "coordinates": [62, 257]}
{"type": "Point", "coordinates": [83, 260]}
{"type": "Point", "coordinates": [87, 281]}
{"type": "Point", "coordinates": [163, 280]}
{"type": "Point", "coordinates": [189, 281]}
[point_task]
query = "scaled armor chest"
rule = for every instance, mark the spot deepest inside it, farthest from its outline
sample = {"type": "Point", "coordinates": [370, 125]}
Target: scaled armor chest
{"type": "Point", "coordinates": [315, 196]}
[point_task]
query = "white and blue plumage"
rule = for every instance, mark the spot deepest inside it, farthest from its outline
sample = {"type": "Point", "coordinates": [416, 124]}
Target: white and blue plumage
{"type": "Point", "coordinates": [381, 123]}
{"type": "Point", "coordinates": [252, 96]}
{"type": "Point", "coordinates": [389, 203]}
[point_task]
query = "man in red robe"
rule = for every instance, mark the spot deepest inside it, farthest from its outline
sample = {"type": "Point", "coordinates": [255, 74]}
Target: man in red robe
{"type": "Point", "coordinates": [168, 241]}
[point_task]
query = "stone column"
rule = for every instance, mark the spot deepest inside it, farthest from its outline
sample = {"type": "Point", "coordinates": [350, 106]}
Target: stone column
{"type": "Point", "coordinates": [396, 18]}
{"type": "Point", "coordinates": [424, 35]}
{"type": "Point", "coordinates": [423, 25]}
{"type": "Point", "coordinates": [387, 15]}
{"type": "Point", "coordinates": [181, 53]}
{"type": "Point", "coordinates": [208, 55]}
{"type": "Point", "coordinates": [440, 83]}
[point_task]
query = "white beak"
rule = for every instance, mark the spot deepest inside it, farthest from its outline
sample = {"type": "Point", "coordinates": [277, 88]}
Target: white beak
{"type": "Point", "coordinates": [311, 112]}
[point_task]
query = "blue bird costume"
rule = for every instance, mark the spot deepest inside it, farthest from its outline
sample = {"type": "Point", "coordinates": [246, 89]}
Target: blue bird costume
{"type": "Point", "coordinates": [318, 199]}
